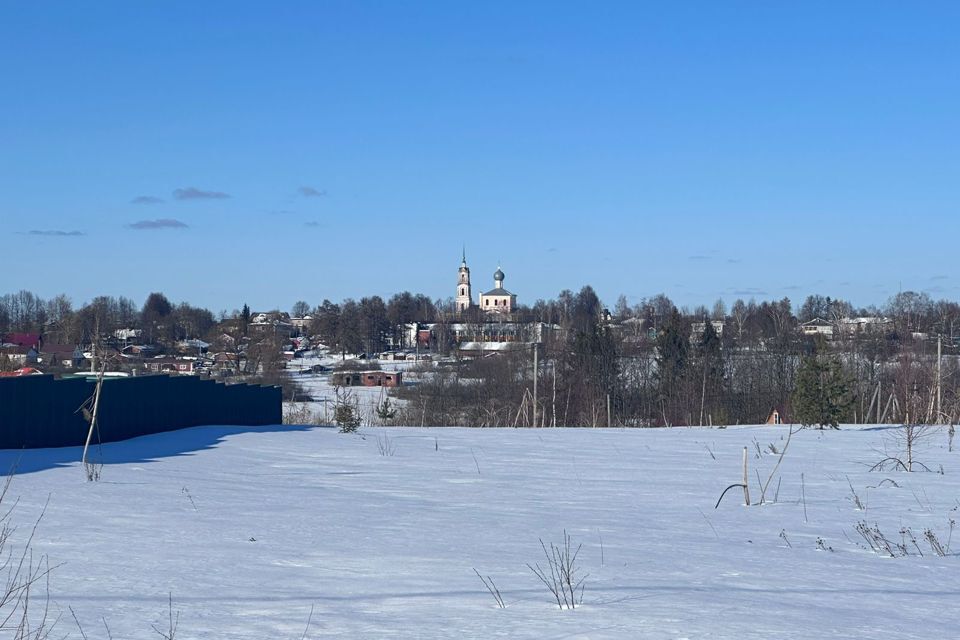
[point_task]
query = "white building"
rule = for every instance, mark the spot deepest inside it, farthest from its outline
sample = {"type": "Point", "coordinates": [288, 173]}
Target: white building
{"type": "Point", "coordinates": [817, 326]}
{"type": "Point", "coordinates": [498, 299]}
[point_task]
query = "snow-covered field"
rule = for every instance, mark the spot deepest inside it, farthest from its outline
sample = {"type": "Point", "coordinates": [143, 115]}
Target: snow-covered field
{"type": "Point", "coordinates": [250, 528]}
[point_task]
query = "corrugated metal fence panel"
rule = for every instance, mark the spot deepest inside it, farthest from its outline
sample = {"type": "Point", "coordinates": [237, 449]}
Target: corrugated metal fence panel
{"type": "Point", "coordinates": [38, 411]}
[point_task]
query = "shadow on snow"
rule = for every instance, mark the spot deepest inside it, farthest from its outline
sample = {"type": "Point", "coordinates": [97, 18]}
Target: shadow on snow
{"type": "Point", "coordinates": [143, 449]}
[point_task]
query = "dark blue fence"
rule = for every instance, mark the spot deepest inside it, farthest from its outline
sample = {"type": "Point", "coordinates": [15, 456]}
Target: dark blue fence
{"type": "Point", "coordinates": [39, 411]}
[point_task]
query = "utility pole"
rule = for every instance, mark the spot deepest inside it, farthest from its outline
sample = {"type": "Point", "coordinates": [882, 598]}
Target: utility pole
{"type": "Point", "coordinates": [939, 379]}
{"type": "Point", "coordinates": [536, 370]}
{"type": "Point", "coordinates": [96, 333]}
{"type": "Point", "coordinates": [553, 370]}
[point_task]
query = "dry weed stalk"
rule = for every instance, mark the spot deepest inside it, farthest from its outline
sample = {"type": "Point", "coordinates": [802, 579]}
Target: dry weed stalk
{"type": "Point", "coordinates": [561, 573]}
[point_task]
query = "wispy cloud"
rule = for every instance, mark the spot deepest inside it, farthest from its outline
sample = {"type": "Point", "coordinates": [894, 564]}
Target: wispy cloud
{"type": "Point", "coordinates": [146, 200]}
{"type": "Point", "coordinates": [192, 193]}
{"type": "Point", "coordinates": [281, 212]}
{"type": "Point", "coordinates": [939, 278]}
{"type": "Point", "coordinates": [792, 287]}
{"type": "Point", "coordinates": [159, 223]}
{"type": "Point", "coordinates": [699, 258]}
{"type": "Point", "coordinates": [310, 192]}
{"type": "Point", "coordinates": [313, 224]}
{"type": "Point", "coordinates": [734, 261]}
{"type": "Point", "coordinates": [58, 233]}
{"type": "Point", "coordinates": [749, 291]}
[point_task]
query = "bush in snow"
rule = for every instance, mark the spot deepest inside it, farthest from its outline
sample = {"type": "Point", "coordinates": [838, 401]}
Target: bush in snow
{"type": "Point", "coordinates": [562, 573]}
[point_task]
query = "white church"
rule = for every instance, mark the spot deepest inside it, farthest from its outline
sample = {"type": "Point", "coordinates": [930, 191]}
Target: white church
{"type": "Point", "coordinates": [497, 300]}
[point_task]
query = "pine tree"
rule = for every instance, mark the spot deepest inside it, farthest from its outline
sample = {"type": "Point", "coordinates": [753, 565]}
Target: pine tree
{"type": "Point", "coordinates": [822, 396]}
{"type": "Point", "coordinates": [672, 357]}
{"type": "Point", "coordinates": [710, 355]}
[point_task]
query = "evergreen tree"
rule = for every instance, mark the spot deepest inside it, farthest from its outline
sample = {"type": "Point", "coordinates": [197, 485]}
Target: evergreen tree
{"type": "Point", "coordinates": [672, 355]}
{"type": "Point", "coordinates": [712, 381]}
{"type": "Point", "coordinates": [245, 316]}
{"type": "Point", "coordinates": [822, 396]}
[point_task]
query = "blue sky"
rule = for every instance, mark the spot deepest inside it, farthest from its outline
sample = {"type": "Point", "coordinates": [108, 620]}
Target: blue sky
{"type": "Point", "coordinates": [324, 150]}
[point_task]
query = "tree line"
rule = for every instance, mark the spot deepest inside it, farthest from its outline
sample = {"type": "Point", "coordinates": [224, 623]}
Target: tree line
{"type": "Point", "coordinates": [655, 364]}
{"type": "Point", "coordinates": [651, 363]}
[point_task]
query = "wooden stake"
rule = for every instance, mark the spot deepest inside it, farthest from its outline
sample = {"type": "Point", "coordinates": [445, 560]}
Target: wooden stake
{"type": "Point", "coordinates": [536, 370]}
{"type": "Point", "coordinates": [554, 393]}
{"type": "Point", "coordinates": [873, 400]}
{"type": "Point", "coordinates": [746, 485]}
{"type": "Point", "coordinates": [703, 393]}
{"type": "Point", "coordinates": [939, 379]}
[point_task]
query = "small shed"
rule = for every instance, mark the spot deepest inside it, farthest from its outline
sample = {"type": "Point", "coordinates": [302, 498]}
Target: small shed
{"type": "Point", "coordinates": [777, 416]}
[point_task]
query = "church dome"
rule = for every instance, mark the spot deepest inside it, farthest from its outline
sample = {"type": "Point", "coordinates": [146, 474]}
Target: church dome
{"type": "Point", "coordinates": [498, 275]}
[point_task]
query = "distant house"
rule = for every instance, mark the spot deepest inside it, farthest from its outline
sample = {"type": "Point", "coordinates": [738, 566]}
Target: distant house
{"type": "Point", "coordinates": [185, 366]}
{"type": "Point", "coordinates": [817, 327]}
{"type": "Point", "coordinates": [128, 335]}
{"type": "Point", "coordinates": [226, 339]}
{"type": "Point", "coordinates": [62, 355]}
{"type": "Point", "coordinates": [367, 378]}
{"type": "Point", "coordinates": [302, 324]}
{"type": "Point", "coordinates": [193, 346]}
{"type": "Point", "coordinates": [78, 358]}
{"type": "Point", "coordinates": [22, 340]}
{"type": "Point", "coordinates": [226, 361]}
{"type": "Point", "coordinates": [138, 351]}
{"type": "Point", "coordinates": [16, 355]}
{"type": "Point", "coordinates": [865, 324]}
{"type": "Point", "coordinates": [697, 328]}
{"type": "Point", "coordinates": [275, 327]}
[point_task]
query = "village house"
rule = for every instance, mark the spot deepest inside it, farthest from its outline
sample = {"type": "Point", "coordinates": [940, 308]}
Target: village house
{"type": "Point", "coordinates": [34, 340]}
{"type": "Point", "coordinates": [18, 355]}
{"type": "Point", "coordinates": [817, 327]}
{"type": "Point", "coordinates": [367, 378]}
{"type": "Point", "coordinates": [165, 364]}
{"type": "Point", "coordinates": [865, 324]}
{"type": "Point", "coordinates": [302, 324]}
{"type": "Point", "coordinates": [62, 355]}
{"type": "Point", "coordinates": [697, 328]}
{"type": "Point", "coordinates": [277, 324]}
{"type": "Point", "coordinates": [127, 336]}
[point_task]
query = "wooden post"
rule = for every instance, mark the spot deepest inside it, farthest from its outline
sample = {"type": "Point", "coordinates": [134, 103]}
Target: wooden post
{"type": "Point", "coordinates": [703, 394]}
{"type": "Point", "coordinates": [879, 395]}
{"type": "Point", "coordinates": [873, 400]}
{"type": "Point", "coordinates": [536, 370]}
{"type": "Point", "coordinates": [608, 411]}
{"type": "Point", "coordinates": [746, 483]}
{"type": "Point", "coordinates": [939, 379]}
{"type": "Point", "coordinates": [554, 402]}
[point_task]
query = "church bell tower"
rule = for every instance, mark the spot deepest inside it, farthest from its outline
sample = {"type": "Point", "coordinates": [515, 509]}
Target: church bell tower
{"type": "Point", "coordinates": [464, 296]}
